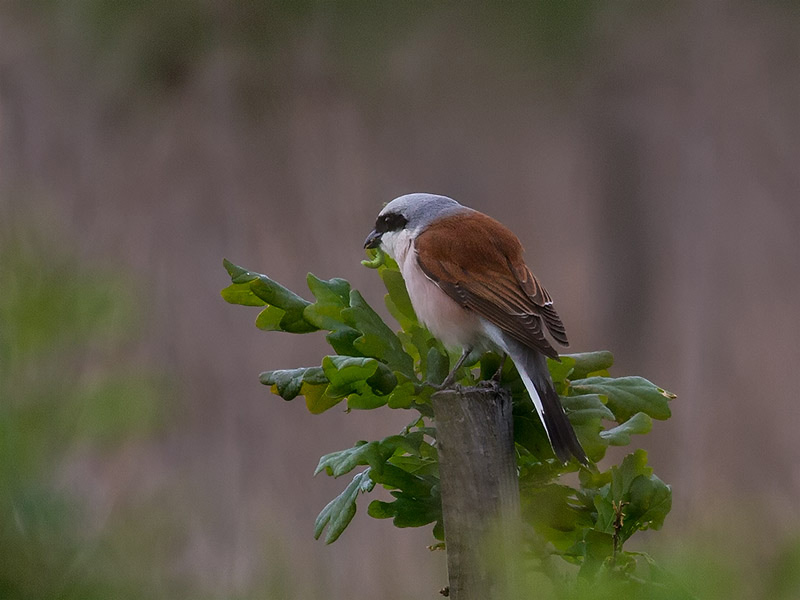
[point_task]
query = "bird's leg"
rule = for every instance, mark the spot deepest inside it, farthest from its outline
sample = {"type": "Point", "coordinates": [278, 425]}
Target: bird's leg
{"type": "Point", "coordinates": [452, 376]}
{"type": "Point", "coordinates": [493, 383]}
{"type": "Point", "coordinates": [499, 373]}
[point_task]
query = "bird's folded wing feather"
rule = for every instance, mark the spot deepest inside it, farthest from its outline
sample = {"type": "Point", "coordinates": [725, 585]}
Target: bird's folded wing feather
{"type": "Point", "coordinates": [478, 262]}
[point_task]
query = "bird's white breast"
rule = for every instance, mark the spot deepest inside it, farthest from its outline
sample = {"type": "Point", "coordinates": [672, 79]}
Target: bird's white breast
{"type": "Point", "coordinates": [444, 318]}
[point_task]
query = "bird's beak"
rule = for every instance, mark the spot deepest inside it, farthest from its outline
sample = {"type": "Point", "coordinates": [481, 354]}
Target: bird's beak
{"type": "Point", "coordinates": [373, 240]}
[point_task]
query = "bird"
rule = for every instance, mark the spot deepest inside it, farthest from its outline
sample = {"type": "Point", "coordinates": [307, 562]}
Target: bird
{"type": "Point", "coordinates": [469, 285]}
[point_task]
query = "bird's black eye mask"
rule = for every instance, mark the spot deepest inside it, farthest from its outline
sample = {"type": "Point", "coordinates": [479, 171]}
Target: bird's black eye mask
{"type": "Point", "coordinates": [390, 222]}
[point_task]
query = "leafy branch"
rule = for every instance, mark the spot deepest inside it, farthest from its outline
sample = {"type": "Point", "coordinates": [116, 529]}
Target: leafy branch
{"type": "Point", "coordinates": [375, 366]}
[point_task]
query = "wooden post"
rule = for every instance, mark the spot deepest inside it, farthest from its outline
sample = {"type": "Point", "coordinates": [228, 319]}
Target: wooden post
{"type": "Point", "coordinates": [480, 490]}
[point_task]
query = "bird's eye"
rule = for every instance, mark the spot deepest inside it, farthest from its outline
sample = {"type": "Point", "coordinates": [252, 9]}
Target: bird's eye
{"type": "Point", "coordinates": [390, 222]}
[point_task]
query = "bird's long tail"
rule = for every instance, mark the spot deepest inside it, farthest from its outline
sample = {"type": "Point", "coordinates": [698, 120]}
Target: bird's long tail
{"type": "Point", "coordinates": [532, 367]}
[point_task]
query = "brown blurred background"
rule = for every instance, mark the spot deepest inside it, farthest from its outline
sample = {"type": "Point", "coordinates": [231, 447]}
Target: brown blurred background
{"type": "Point", "coordinates": [646, 154]}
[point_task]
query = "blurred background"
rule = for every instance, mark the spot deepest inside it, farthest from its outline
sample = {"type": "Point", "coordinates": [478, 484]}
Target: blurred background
{"type": "Point", "coordinates": [646, 154]}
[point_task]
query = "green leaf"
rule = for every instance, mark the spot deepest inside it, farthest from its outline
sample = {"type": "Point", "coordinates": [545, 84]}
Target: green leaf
{"type": "Point", "coordinates": [338, 513]}
{"type": "Point", "coordinates": [552, 510]}
{"type": "Point", "coordinates": [342, 340]}
{"type": "Point", "coordinates": [383, 381]}
{"type": "Point", "coordinates": [586, 407]}
{"type": "Point", "coordinates": [374, 454]}
{"type": "Point", "coordinates": [343, 461]}
{"type": "Point", "coordinates": [586, 412]}
{"type": "Point", "coordinates": [285, 310]}
{"type": "Point", "coordinates": [376, 339]}
{"type": "Point", "coordinates": [416, 341]}
{"type": "Point", "coordinates": [530, 434]}
{"type": "Point", "coordinates": [240, 293]}
{"type": "Point", "coordinates": [366, 400]}
{"type": "Point", "coordinates": [329, 291]}
{"type": "Point", "coordinates": [317, 398]}
{"type": "Point", "coordinates": [646, 499]}
{"type": "Point", "coordinates": [438, 365]}
{"type": "Point", "coordinates": [651, 501]}
{"type": "Point", "coordinates": [633, 465]}
{"type": "Point", "coordinates": [273, 292]}
{"type": "Point", "coordinates": [398, 478]}
{"type": "Point", "coordinates": [587, 363]}
{"type": "Point", "coordinates": [628, 395]}
{"type": "Point", "coordinates": [378, 509]}
{"type": "Point", "coordinates": [407, 510]}
{"type": "Point", "coordinates": [560, 370]}
{"type": "Point", "coordinates": [234, 271]}
{"type": "Point", "coordinates": [621, 435]}
{"type": "Point", "coordinates": [270, 319]}
{"type": "Point", "coordinates": [535, 471]}
{"type": "Point", "coordinates": [365, 382]}
{"type": "Point", "coordinates": [348, 373]}
{"type": "Point", "coordinates": [288, 383]}
{"type": "Point", "coordinates": [594, 480]}
{"type": "Point", "coordinates": [597, 547]}
{"type": "Point", "coordinates": [332, 296]}
{"type": "Point", "coordinates": [397, 300]}
{"type": "Point", "coordinates": [417, 465]}
{"type": "Point", "coordinates": [605, 514]}
{"type": "Point", "coordinates": [404, 394]}
{"type": "Point", "coordinates": [489, 365]}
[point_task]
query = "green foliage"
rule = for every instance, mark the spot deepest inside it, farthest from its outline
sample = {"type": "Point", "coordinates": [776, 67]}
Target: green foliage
{"type": "Point", "coordinates": [627, 396]}
{"type": "Point", "coordinates": [341, 510]}
{"type": "Point", "coordinates": [586, 524]}
{"type": "Point", "coordinates": [65, 392]}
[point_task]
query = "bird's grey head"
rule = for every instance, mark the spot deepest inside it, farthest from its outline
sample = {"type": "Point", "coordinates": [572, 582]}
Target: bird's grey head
{"type": "Point", "coordinates": [413, 213]}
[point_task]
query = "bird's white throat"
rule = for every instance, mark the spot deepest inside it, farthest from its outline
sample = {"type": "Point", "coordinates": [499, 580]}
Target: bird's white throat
{"type": "Point", "coordinates": [397, 245]}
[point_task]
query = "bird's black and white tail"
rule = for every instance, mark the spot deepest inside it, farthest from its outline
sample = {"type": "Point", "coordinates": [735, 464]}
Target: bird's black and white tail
{"type": "Point", "coordinates": [532, 367]}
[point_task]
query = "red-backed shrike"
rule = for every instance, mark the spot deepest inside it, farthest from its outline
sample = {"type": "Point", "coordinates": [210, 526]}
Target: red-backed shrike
{"type": "Point", "coordinates": [471, 288]}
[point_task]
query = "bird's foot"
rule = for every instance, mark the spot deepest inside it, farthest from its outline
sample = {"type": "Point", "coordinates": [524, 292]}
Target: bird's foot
{"type": "Point", "coordinates": [447, 385]}
{"type": "Point", "coordinates": [498, 375]}
{"type": "Point", "coordinates": [489, 384]}
{"type": "Point", "coordinates": [451, 377]}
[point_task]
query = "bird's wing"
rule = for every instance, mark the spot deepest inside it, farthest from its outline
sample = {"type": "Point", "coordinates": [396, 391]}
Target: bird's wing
{"type": "Point", "coordinates": [478, 262]}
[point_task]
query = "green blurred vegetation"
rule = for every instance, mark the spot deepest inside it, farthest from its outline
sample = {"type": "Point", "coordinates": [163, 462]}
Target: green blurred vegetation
{"type": "Point", "coordinates": [68, 395]}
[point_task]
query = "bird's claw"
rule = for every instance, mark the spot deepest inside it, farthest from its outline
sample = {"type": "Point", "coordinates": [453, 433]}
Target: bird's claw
{"type": "Point", "coordinates": [447, 385]}
{"type": "Point", "coordinates": [489, 384]}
